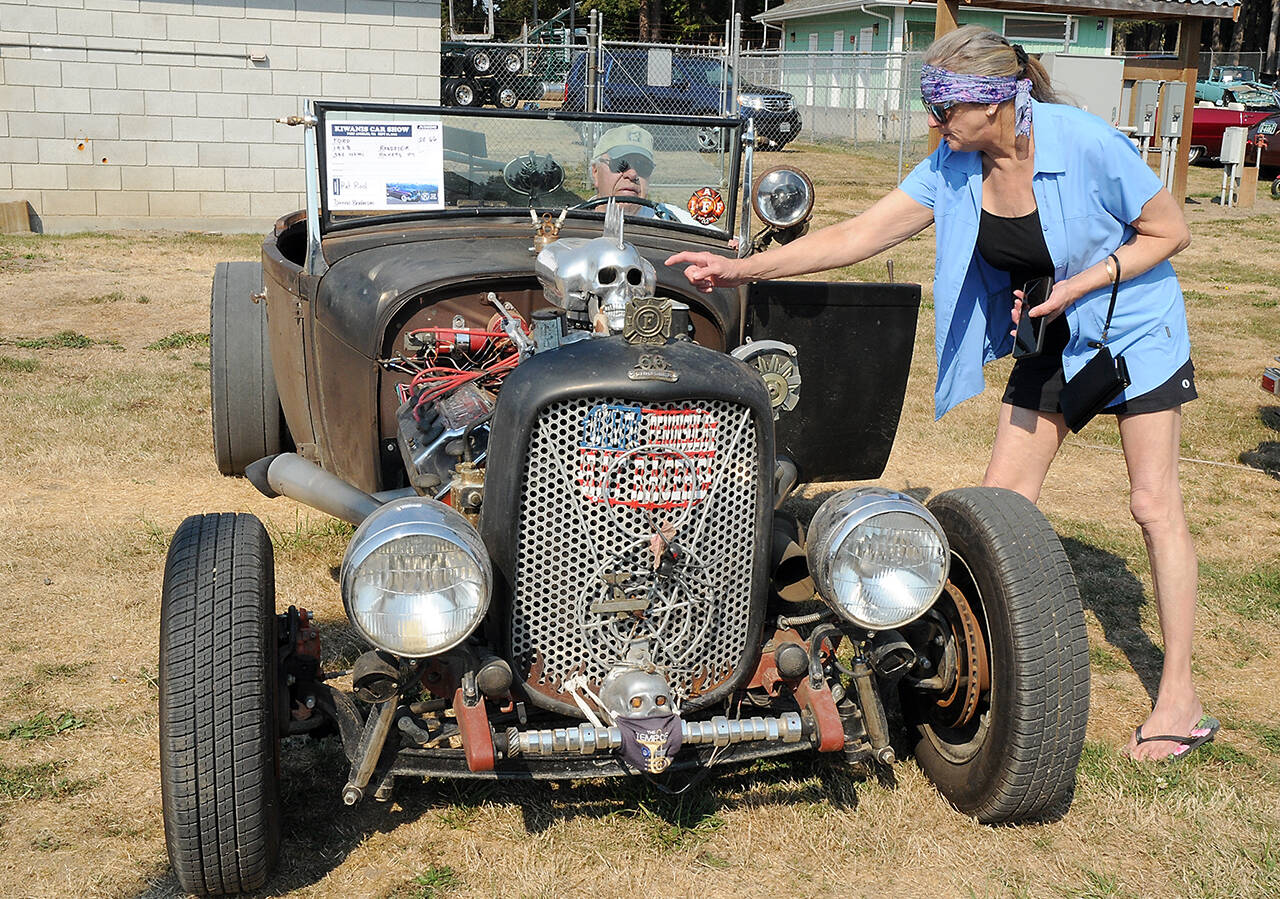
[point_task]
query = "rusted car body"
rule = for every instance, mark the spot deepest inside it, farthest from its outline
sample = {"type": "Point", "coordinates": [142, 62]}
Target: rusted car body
{"type": "Point", "coordinates": [569, 472]}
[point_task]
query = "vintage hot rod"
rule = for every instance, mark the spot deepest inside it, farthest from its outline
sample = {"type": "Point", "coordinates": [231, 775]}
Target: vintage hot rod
{"type": "Point", "coordinates": [567, 470]}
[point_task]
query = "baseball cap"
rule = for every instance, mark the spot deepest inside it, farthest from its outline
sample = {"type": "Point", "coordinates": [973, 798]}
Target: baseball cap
{"type": "Point", "coordinates": [625, 140]}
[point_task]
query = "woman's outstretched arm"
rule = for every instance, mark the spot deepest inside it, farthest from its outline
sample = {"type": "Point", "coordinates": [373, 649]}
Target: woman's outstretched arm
{"type": "Point", "coordinates": [890, 220]}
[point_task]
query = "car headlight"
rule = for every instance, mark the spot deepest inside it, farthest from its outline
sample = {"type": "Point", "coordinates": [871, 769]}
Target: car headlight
{"type": "Point", "coordinates": [878, 557]}
{"type": "Point", "coordinates": [751, 101]}
{"type": "Point", "coordinates": [416, 578]}
{"type": "Point", "coordinates": [783, 197]}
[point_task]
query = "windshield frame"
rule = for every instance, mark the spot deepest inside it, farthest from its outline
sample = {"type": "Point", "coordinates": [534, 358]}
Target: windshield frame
{"type": "Point", "coordinates": [328, 224]}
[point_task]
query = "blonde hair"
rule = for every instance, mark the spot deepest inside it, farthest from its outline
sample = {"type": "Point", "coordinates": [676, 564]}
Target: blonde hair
{"type": "Point", "coordinates": [975, 50]}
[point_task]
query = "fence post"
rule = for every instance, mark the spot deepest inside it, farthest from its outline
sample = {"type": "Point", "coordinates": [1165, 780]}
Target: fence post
{"type": "Point", "coordinates": [593, 61]}
{"type": "Point", "coordinates": [737, 61]}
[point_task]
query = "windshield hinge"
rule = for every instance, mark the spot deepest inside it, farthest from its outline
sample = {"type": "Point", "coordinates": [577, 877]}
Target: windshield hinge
{"type": "Point", "coordinates": [307, 120]}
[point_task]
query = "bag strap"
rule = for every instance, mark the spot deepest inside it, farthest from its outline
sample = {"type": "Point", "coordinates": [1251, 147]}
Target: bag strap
{"type": "Point", "coordinates": [1115, 288]}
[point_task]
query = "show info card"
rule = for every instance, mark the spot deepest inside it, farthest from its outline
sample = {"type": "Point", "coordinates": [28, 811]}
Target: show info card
{"type": "Point", "coordinates": [384, 165]}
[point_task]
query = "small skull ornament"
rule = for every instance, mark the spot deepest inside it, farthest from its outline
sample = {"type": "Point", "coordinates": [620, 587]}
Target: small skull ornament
{"type": "Point", "coordinates": [634, 693]}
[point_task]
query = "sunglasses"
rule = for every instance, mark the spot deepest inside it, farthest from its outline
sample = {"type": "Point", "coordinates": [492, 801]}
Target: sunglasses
{"type": "Point", "coordinates": [939, 111]}
{"type": "Point", "coordinates": [641, 166]}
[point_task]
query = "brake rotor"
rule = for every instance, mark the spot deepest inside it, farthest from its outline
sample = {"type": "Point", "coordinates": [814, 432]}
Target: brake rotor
{"type": "Point", "coordinates": [973, 671]}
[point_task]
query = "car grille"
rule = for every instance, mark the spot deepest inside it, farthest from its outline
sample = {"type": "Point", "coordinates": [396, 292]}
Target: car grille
{"type": "Point", "coordinates": [603, 477]}
{"type": "Point", "coordinates": [777, 104]}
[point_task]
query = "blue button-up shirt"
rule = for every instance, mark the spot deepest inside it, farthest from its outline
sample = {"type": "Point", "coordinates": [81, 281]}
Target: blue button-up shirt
{"type": "Point", "coordinates": [1089, 183]}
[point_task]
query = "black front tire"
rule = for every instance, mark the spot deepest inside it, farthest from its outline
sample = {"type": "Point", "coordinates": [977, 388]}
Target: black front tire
{"type": "Point", "coordinates": [219, 728]}
{"type": "Point", "coordinates": [247, 419]}
{"type": "Point", "coordinates": [1016, 759]}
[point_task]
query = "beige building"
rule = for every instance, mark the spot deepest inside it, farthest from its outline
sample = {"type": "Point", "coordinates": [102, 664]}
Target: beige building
{"type": "Point", "coordinates": [161, 113]}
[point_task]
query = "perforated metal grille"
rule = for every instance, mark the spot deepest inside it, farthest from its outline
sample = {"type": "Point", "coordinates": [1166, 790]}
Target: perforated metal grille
{"type": "Point", "coordinates": [610, 486]}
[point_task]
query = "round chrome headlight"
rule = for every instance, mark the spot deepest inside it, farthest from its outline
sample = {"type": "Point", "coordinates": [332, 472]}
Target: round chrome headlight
{"type": "Point", "coordinates": [783, 197]}
{"type": "Point", "coordinates": [416, 578]}
{"type": "Point", "coordinates": [878, 557]}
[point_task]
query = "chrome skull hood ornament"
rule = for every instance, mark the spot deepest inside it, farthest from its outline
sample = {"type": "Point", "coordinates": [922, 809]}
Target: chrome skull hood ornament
{"type": "Point", "coordinates": [584, 276]}
{"type": "Point", "coordinates": [630, 691]}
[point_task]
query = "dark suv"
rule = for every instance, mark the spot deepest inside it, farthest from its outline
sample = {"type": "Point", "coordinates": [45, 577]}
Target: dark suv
{"type": "Point", "coordinates": [641, 81]}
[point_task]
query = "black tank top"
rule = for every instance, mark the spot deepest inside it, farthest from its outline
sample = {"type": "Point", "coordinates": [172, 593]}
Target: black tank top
{"type": "Point", "coordinates": [1016, 245]}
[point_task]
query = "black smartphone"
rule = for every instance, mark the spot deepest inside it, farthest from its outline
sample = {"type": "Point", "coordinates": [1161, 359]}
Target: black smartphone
{"type": "Point", "coordinates": [1029, 339]}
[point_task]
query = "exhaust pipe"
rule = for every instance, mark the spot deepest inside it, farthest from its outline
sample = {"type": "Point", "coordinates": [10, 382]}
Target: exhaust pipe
{"type": "Point", "coordinates": [288, 474]}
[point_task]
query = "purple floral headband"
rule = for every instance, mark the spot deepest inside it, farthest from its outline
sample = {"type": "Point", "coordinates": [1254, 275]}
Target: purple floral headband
{"type": "Point", "coordinates": [939, 85]}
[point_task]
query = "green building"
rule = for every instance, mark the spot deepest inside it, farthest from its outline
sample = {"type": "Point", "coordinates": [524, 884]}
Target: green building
{"type": "Point", "coordinates": [854, 66]}
{"type": "Point", "coordinates": [900, 26]}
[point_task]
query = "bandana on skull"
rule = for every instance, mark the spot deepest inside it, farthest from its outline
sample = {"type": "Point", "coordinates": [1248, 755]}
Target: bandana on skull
{"type": "Point", "coordinates": [938, 85]}
{"type": "Point", "coordinates": [650, 744]}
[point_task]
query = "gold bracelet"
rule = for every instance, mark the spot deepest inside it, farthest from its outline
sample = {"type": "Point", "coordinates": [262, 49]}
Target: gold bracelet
{"type": "Point", "coordinates": [1111, 271]}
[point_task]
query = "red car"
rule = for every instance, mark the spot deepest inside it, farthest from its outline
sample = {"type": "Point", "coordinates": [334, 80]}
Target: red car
{"type": "Point", "coordinates": [1265, 136]}
{"type": "Point", "coordinates": [1209, 122]}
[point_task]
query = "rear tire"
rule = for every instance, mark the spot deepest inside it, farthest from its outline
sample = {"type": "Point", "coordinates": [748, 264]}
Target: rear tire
{"type": "Point", "coordinates": [1015, 759]}
{"type": "Point", "coordinates": [247, 419]}
{"type": "Point", "coordinates": [1275, 188]}
{"type": "Point", "coordinates": [219, 731]}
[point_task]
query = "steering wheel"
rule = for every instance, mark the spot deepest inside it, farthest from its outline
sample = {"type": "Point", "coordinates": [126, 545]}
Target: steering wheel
{"type": "Point", "coordinates": [659, 211]}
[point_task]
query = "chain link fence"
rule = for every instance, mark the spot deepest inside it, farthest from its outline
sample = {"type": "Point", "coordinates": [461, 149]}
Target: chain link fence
{"type": "Point", "coordinates": [853, 97]}
{"type": "Point", "coordinates": [1252, 59]}
{"type": "Point", "coordinates": [864, 99]}
{"type": "Point", "coordinates": [503, 75]}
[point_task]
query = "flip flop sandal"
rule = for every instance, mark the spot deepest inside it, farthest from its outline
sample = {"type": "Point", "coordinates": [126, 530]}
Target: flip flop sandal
{"type": "Point", "coordinates": [1202, 733]}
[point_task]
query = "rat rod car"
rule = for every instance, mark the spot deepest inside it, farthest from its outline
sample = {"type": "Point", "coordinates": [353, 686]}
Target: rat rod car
{"type": "Point", "coordinates": [567, 470]}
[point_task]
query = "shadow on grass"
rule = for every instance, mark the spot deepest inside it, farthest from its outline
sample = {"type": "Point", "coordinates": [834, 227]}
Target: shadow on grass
{"type": "Point", "coordinates": [319, 832]}
{"type": "Point", "coordinates": [1267, 455]}
{"type": "Point", "coordinates": [1111, 591]}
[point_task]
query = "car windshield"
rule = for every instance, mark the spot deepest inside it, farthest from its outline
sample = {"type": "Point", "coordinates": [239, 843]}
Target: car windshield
{"type": "Point", "coordinates": [381, 161]}
{"type": "Point", "coordinates": [706, 71]}
{"type": "Point", "coordinates": [1236, 74]}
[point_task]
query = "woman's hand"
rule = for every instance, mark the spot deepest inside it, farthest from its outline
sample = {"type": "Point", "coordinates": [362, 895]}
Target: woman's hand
{"type": "Point", "coordinates": [707, 271]}
{"type": "Point", "coordinates": [1060, 297]}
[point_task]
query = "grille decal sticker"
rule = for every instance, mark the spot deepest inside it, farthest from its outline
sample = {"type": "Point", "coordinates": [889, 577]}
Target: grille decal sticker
{"type": "Point", "coordinates": [646, 458]}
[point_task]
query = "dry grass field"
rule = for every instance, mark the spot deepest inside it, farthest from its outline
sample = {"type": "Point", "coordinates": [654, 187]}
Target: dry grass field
{"type": "Point", "coordinates": [105, 447]}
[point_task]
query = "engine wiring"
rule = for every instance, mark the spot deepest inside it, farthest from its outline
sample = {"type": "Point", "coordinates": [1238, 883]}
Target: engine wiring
{"type": "Point", "coordinates": [449, 357]}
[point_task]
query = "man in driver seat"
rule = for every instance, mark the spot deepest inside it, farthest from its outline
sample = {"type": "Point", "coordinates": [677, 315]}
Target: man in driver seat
{"type": "Point", "coordinates": [621, 166]}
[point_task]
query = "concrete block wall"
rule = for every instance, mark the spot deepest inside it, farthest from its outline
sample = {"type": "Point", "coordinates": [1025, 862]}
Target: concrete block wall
{"type": "Point", "coordinates": [161, 113]}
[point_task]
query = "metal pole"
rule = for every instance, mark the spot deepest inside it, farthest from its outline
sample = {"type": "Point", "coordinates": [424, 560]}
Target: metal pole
{"type": "Point", "coordinates": [903, 131]}
{"type": "Point", "coordinates": [593, 61]}
{"type": "Point", "coordinates": [737, 60]}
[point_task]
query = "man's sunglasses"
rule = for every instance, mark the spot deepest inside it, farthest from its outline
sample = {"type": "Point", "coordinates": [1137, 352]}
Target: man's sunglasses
{"type": "Point", "coordinates": [939, 111]}
{"type": "Point", "coordinates": [641, 166]}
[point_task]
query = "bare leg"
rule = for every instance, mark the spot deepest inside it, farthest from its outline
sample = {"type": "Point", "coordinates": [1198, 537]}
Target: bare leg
{"type": "Point", "coordinates": [1155, 498]}
{"type": "Point", "coordinates": [1026, 442]}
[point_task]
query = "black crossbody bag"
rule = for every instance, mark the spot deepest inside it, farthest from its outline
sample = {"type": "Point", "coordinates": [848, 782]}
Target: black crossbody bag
{"type": "Point", "coordinates": [1101, 380]}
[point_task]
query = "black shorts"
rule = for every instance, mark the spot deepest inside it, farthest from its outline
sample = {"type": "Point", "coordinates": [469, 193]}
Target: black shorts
{"type": "Point", "coordinates": [1037, 383]}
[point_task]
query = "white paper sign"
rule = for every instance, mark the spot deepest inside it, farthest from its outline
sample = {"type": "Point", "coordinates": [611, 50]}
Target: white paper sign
{"type": "Point", "coordinates": [384, 165]}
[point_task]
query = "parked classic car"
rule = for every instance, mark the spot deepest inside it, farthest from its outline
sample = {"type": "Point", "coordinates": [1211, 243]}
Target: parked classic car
{"type": "Point", "coordinates": [1263, 148]}
{"type": "Point", "coordinates": [1209, 123]}
{"type": "Point", "coordinates": [568, 471]}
